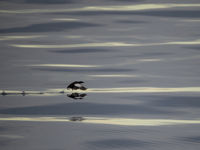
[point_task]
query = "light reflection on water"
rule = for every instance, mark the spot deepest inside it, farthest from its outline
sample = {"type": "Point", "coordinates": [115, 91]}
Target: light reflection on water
{"type": "Point", "coordinates": [138, 90]}
{"type": "Point", "coordinates": [108, 44]}
{"type": "Point", "coordinates": [55, 92]}
{"type": "Point", "coordinates": [65, 19]}
{"type": "Point", "coordinates": [28, 93]}
{"type": "Point", "coordinates": [112, 75]}
{"type": "Point", "coordinates": [3, 38]}
{"type": "Point", "coordinates": [106, 121]}
{"type": "Point", "coordinates": [63, 65]}
{"type": "Point", "coordinates": [144, 90]}
{"type": "Point", "coordinates": [116, 8]}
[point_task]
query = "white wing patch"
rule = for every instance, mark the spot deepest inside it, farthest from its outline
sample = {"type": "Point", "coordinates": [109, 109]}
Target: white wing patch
{"type": "Point", "coordinates": [78, 85]}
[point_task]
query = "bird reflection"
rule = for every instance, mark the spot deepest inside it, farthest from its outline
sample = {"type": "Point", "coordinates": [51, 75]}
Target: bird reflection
{"type": "Point", "coordinates": [77, 95]}
{"type": "Point", "coordinates": [76, 118]}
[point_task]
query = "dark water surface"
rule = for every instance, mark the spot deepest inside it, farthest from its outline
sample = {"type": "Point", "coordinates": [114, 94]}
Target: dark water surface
{"type": "Point", "coordinates": [139, 60]}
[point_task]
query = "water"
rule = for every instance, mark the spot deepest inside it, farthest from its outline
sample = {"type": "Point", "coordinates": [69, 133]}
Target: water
{"type": "Point", "coordinates": [138, 59]}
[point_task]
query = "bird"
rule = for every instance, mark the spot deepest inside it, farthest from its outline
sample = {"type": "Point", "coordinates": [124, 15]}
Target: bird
{"type": "Point", "coordinates": [23, 93]}
{"type": "Point", "coordinates": [76, 85]}
{"type": "Point", "coordinates": [4, 93]}
{"type": "Point", "coordinates": [76, 118]}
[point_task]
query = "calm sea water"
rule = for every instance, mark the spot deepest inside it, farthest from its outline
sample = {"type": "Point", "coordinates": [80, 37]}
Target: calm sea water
{"type": "Point", "coordinates": [139, 60]}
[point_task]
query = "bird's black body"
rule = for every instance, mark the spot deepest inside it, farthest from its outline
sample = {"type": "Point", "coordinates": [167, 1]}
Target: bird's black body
{"type": "Point", "coordinates": [77, 119]}
{"type": "Point", "coordinates": [4, 93]}
{"type": "Point", "coordinates": [23, 93]}
{"type": "Point", "coordinates": [76, 85]}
